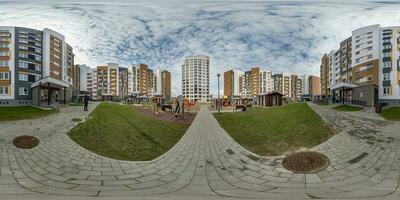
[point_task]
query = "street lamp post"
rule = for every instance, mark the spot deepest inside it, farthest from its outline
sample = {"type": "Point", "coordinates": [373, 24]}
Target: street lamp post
{"type": "Point", "coordinates": [218, 94]}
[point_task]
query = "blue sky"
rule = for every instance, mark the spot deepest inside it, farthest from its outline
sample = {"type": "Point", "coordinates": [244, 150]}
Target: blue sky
{"type": "Point", "coordinates": [281, 36]}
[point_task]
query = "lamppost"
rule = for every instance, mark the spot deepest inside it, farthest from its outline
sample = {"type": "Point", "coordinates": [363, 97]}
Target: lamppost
{"type": "Point", "coordinates": [218, 94]}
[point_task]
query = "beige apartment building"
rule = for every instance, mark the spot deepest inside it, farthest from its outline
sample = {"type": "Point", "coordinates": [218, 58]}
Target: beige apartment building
{"type": "Point", "coordinates": [249, 84]}
{"type": "Point", "coordinates": [324, 76]}
{"type": "Point", "coordinates": [145, 82]}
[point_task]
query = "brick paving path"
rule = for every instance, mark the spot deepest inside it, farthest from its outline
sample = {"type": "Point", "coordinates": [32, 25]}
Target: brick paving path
{"type": "Point", "coordinates": [206, 163]}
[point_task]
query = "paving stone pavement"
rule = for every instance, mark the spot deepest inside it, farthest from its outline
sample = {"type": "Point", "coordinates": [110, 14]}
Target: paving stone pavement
{"type": "Point", "coordinates": [205, 164]}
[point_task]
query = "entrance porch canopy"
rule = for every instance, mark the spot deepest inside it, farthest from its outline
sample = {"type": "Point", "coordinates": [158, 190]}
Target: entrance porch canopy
{"type": "Point", "coordinates": [50, 82]}
{"type": "Point", "coordinates": [343, 85]}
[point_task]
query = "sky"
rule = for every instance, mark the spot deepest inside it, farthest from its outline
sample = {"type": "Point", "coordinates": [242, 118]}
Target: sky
{"type": "Point", "coordinates": [280, 36]}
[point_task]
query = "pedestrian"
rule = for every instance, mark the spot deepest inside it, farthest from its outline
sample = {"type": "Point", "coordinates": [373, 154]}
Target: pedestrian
{"type": "Point", "coordinates": [86, 102]}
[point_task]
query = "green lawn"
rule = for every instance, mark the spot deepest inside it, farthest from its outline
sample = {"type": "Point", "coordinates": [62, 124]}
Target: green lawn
{"type": "Point", "coordinates": [273, 131]}
{"type": "Point", "coordinates": [391, 114]}
{"type": "Point", "coordinates": [347, 108]}
{"type": "Point", "coordinates": [23, 112]}
{"type": "Point", "coordinates": [121, 132]}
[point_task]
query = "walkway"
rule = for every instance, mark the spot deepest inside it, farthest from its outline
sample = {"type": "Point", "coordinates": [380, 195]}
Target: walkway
{"type": "Point", "coordinates": [205, 164]}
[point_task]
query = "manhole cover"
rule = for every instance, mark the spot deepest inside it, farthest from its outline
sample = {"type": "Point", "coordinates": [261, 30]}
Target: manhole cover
{"type": "Point", "coordinates": [306, 162]}
{"type": "Point", "coordinates": [25, 142]}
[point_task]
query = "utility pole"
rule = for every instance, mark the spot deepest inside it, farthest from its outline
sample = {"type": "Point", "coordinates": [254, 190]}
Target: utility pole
{"type": "Point", "coordinates": [218, 102]}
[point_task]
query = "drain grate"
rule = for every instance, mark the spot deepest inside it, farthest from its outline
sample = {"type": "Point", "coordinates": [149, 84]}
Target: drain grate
{"type": "Point", "coordinates": [25, 142]}
{"type": "Point", "coordinates": [306, 162]}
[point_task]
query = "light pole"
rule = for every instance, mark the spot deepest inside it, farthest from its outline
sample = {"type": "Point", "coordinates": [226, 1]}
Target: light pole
{"type": "Point", "coordinates": [218, 94]}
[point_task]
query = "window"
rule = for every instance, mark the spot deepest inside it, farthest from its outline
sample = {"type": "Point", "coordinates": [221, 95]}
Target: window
{"type": "Point", "coordinates": [23, 55]}
{"type": "Point", "coordinates": [23, 77]}
{"type": "Point", "coordinates": [387, 64]}
{"type": "Point", "coordinates": [23, 91]}
{"type": "Point", "coordinates": [4, 76]}
{"type": "Point", "coordinates": [386, 76]}
{"type": "Point", "coordinates": [3, 45]}
{"type": "Point", "coordinates": [3, 90]}
{"type": "Point", "coordinates": [4, 53]}
{"type": "Point", "coordinates": [23, 65]}
{"type": "Point", "coordinates": [386, 91]}
{"type": "Point", "coordinates": [3, 63]}
{"type": "Point", "coordinates": [386, 54]}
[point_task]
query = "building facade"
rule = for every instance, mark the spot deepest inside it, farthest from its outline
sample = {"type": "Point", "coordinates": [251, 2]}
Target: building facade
{"type": "Point", "coordinates": [324, 75]}
{"type": "Point", "coordinates": [369, 65]}
{"type": "Point", "coordinates": [196, 78]}
{"type": "Point", "coordinates": [35, 67]}
{"type": "Point", "coordinates": [249, 84]}
{"type": "Point", "coordinates": [163, 83]}
{"type": "Point", "coordinates": [76, 82]}
{"type": "Point", "coordinates": [289, 85]}
{"type": "Point", "coordinates": [146, 82]}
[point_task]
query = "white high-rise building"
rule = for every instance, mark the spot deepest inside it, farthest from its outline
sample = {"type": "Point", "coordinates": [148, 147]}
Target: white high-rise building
{"type": "Point", "coordinates": [266, 82]}
{"type": "Point", "coordinates": [334, 67]}
{"type": "Point", "coordinates": [83, 74]}
{"type": "Point", "coordinates": [237, 77]}
{"type": "Point", "coordinates": [91, 83]}
{"type": "Point", "coordinates": [196, 78]}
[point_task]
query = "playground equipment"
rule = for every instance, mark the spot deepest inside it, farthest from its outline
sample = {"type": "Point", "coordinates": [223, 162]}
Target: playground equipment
{"type": "Point", "coordinates": [180, 105]}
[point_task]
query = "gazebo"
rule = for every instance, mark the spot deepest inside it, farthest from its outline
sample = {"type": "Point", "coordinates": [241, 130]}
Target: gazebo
{"type": "Point", "coordinates": [344, 90]}
{"type": "Point", "coordinates": [270, 99]}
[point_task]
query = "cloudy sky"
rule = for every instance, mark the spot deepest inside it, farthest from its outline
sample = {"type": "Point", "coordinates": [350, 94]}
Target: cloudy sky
{"type": "Point", "coordinates": [281, 36]}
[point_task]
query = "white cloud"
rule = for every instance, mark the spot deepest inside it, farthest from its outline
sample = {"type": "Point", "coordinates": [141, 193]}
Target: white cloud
{"type": "Point", "coordinates": [279, 35]}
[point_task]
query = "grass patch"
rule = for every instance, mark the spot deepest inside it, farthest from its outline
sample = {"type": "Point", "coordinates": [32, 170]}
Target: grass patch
{"type": "Point", "coordinates": [122, 132]}
{"type": "Point", "coordinates": [392, 113]}
{"type": "Point", "coordinates": [23, 112]}
{"type": "Point", "coordinates": [273, 131]}
{"type": "Point", "coordinates": [347, 108]}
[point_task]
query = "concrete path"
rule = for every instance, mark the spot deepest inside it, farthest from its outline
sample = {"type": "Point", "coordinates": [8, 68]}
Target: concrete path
{"type": "Point", "coordinates": [205, 164]}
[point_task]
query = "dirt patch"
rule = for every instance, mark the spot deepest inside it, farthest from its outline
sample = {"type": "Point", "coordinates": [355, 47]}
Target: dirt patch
{"type": "Point", "coordinates": [25, 142]}
{"type": "Point", "coordinates": [168, 116]}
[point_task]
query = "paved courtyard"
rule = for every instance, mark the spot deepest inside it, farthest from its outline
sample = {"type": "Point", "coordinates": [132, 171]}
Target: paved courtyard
{"type": "Point", "coordinates": [205, 164]}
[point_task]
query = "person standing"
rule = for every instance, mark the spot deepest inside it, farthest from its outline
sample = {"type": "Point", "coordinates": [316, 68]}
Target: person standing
{"type": "Point", "coordinates": [86, 102]}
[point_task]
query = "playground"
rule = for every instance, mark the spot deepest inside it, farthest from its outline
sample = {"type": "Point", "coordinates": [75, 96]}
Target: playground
{"type": "Point", "coordinates": [179, 110]}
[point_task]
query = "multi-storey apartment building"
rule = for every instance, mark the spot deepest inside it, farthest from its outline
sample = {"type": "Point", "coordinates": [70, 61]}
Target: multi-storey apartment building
{"type": "Point", "coordinates": [256, 81]}
{"type": "Point", "coordinates": [36, 67]}
{"type": "Point", "coordinates": [295, 87]}
{"type": "Point", "coordinates": [144, 79]}
{"type": "Point", "coordinates": [374, 74]}
{"type": "Point", "coordinates": [84, 72]}
{"type": "Point", "coordinates": [324, 75]}
{"type": "Point", "coordinates": [345, 52]}
{"type": "Point", "coordinates": [76, 81]}
{"type": "Point", "coordinates": [91, 86]}
{"type": "Point", "coordinates": [389, 65]}
{"type": "Point", "coordinates": [334, 67]}
{"type": "Point", "coordinates": [145, 82]}
{"type": "Point", "coordinates": [163, 83]}
{"type": "Point", "coordinates": [196, 78]}
{"type": "Point", "coordinates": [266, 83]}
{"type": "Point", "coordinates": [288, 85]}
{"type": "Point", "coordinates": [122, 82]}
{"type": "Point", "coordinates": [107, 82]}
